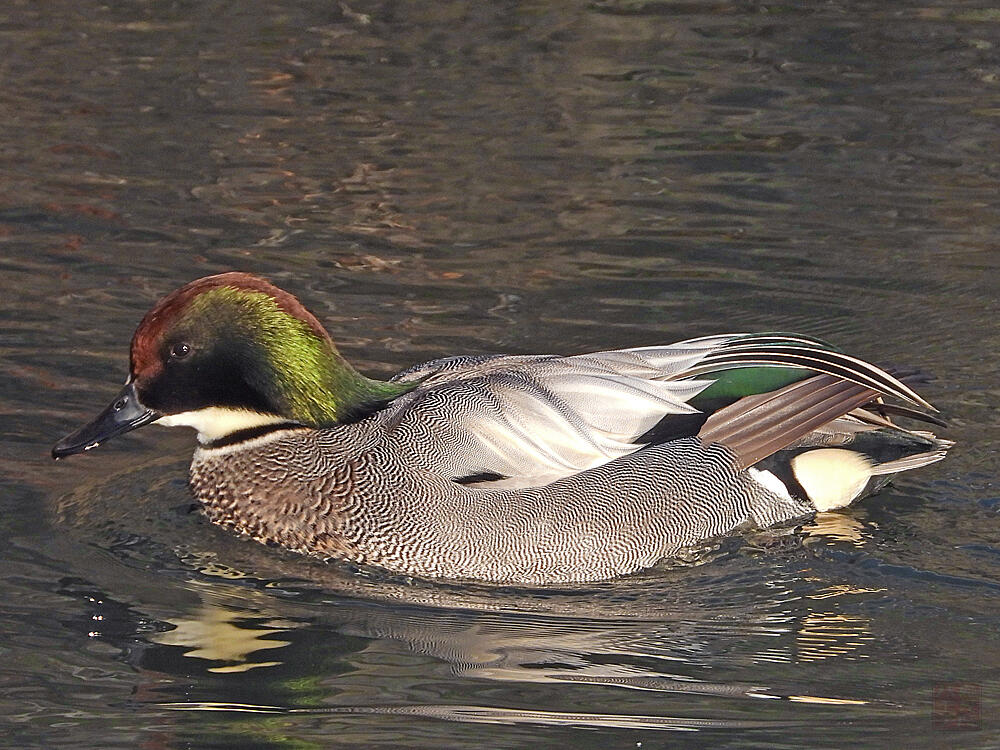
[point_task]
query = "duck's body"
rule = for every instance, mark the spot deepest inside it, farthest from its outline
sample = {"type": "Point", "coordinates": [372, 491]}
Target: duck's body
{"type": "Point", "coordinates": [312, 492]}
{"type": "Point", "coordinates": [532, 469]}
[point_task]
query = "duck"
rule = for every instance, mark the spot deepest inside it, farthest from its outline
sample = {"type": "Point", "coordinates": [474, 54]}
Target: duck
{"type": "Point", "coordinates": [509, 469]}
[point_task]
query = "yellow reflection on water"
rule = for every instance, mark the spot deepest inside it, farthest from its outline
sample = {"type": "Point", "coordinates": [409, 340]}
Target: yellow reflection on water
{"type": "Point", "coordinates": [827, 635]}
{"type": "Point", "coordinates": [826, 701]}
{"type": "Point", "coordinates": [840, 590]}
{"type": "Point", "coordinates": [837, 527]}
{"type": "Point", "coordinates": [214, 633]}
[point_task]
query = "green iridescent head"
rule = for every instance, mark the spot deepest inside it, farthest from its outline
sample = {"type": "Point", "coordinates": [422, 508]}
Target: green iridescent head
{"type": "Point", "coordinates": [230, 352]}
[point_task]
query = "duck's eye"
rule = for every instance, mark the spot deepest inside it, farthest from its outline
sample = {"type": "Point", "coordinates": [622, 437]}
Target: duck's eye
{"type": "Point", "coordinates": [179, 350]}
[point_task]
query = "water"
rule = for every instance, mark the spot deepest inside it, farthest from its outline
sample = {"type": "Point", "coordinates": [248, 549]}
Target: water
{"type": "Point", "coordinates": [470, 177]}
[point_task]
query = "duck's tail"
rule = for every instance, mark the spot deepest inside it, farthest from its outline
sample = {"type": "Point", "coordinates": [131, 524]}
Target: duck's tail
{"type": "Point", "coordinates": [841, 464]}
{"type": "Point", "coordinates": [823, 439]}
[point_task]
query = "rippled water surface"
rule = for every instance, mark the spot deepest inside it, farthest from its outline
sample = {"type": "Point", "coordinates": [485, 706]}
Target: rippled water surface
{"type": "Point", "coordinates": [452, 177]}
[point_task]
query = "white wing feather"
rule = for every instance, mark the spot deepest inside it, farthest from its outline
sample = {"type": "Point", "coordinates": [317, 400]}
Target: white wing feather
{"type": "Point", "coordinates": [535, 419]}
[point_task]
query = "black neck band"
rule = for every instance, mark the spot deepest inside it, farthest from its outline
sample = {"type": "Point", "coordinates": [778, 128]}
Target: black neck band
{"type": "Point", "coordinates": [251, 432]}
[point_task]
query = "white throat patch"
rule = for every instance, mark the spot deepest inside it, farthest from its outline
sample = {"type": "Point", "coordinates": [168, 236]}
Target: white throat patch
{"type": "Point", "coordinates": [214, 422]}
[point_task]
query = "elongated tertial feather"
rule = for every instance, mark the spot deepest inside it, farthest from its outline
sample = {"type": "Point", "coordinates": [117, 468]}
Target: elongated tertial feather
{"type": "Point", "coordinates": [757, 426]}
{"type": "Point", "coordinates": [905, 411]}
{"type": "Point", "coordinates": [770, 351]}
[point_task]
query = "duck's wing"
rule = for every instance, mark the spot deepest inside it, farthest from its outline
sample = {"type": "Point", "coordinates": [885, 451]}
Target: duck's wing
{"type": "Point", "coordinates": [526, 421]}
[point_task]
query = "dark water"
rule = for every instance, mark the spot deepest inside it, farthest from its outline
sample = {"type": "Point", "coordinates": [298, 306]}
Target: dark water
{"type": "Point", "coordinates": [453, 177]}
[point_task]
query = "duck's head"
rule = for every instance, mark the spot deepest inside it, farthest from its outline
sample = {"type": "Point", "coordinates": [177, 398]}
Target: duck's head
{"type": "Point", "coordinates": [230, 353]}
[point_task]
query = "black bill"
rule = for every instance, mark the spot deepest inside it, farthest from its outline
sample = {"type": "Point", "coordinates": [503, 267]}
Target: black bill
{"type": "Point", "coordinates": [125, 413]}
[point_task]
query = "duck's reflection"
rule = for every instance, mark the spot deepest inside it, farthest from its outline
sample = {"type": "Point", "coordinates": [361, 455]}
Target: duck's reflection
{"type": "Point", "coordinates": [651, 642]}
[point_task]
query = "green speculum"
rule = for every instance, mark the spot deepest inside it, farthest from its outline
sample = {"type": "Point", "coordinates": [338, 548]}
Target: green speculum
{"type": "Point", "coordinates": [732, 385]}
